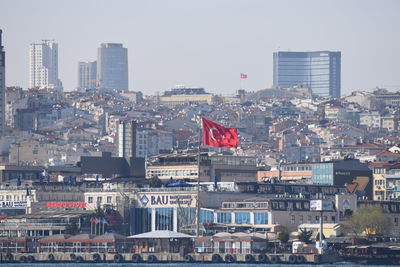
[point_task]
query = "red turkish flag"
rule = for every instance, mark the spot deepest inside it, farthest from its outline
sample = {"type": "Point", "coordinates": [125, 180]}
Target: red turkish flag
{"type": "Point", "coordinates": [219, 136]}
{"type": "Point", "coordinates": [243, 76]}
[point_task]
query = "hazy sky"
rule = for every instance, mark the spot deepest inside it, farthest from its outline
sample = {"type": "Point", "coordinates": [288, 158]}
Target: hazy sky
{"type": "Point", "coordinates": [206, 43]}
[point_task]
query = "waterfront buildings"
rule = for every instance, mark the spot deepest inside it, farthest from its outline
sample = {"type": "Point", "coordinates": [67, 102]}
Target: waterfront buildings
{"type": "Point", "coordinates": [112, 66]}
{"type": "Point", "coordinates": [2, 87]}
{"type": "Point", "coordinates": [319, 70]}
{"type": "Point", "coordinates": [43, 65]}
{"type": "Point", "coordinates": [87, 72]}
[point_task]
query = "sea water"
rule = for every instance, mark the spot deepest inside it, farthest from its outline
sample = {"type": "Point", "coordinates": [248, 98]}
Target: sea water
{"type": "Point", "coordinates": [162, 265]}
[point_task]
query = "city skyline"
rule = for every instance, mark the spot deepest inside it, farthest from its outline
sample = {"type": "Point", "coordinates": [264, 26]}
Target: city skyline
{"type": "Point", "coordinates": [205, 44]}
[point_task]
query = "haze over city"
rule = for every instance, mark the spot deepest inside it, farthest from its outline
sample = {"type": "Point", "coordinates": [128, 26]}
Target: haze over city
{"type": "Point", "coordinates": [206, 43]}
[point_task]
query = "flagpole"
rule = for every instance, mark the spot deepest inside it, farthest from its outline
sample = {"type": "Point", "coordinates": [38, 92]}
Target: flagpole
{"type": "Point", "coordinates": [198, 184]}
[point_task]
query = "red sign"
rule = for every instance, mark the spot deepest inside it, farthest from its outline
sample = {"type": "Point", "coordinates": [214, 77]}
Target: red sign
{"type": "Point", "coordinates": [70, 204]}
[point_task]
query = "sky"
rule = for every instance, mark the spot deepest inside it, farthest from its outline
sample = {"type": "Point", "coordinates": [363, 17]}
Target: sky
{"type": "Point", "coordinates": [206, 43]}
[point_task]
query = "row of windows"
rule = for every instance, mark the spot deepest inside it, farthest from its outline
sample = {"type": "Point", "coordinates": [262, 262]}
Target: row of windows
{"type": "Point", "coordinates": [310, 219]}
{"type": "Point", "coordinates": [99, 200]}
{"type": "Point", "coordinates": [13, 198]}
{"type": "Point", "coordinates": [172, 173]}
{"type": "Point", "coordinates": [297, 168]}
{"type": "Point", "coordinates": [245, 205]}
{"type": "Point", "coordinates": [282, 205]}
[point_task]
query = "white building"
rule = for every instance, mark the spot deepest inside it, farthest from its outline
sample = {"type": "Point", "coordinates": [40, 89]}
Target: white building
{"type": "Point", "coordinates": [87, 72]}
{"type": "Point", "coordinates": [141, 142]}
{"type": "Point", "coordinates": [43, 65]}
{"type": "Point", "coordinates": [151, 142]}
{"type": "Point", "coordinates": [371, 119]}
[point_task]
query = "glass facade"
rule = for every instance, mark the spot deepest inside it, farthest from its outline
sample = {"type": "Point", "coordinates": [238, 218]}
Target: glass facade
{"type": "Point", "coordinates": [186, 216]}
{"type": "Point", "coordinates": [319, 71]}
{"type": "Point", "coordinates": [140, 220]}
{"type": "Point", "coordinates": [322, 173]}
{"type": "Point", "coordinates": [175, 219]}
{"type": "Point", "coordinates": [112, 66]}
{"type": "Point", "coordinates": [206, 216]}
{"type": "Point", "coordinates": [260, 218]}
{"type": "Point", "coordinates": [224, 217]}
{"type": "Point", "coordinates": [242, 217]}
{"type": "Point", "coordinates": [164, 219]}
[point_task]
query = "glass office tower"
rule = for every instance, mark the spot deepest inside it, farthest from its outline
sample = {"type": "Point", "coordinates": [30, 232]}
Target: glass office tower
{"type": "Point", "coordinates": [112, 66]}
{"type": "Point", "coordinates": [318, 70]}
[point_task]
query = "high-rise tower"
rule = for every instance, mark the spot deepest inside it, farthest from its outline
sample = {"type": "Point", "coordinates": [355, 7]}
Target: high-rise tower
{"type": "Point", "coordinates": [320, 71]}
{"type": "Point", "coordinates": [2, 86]}
{"type": "Point", "coordinates": [87, 72]}
{"type": "Point", "coordinates": [112, 66]}
{"type": "Point", "coordinates": [43, 68]}
{"type": "Point", "coordinates": [126, 139]}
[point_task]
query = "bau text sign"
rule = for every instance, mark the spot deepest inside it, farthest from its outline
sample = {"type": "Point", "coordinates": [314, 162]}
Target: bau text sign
{"type": "Point", "coordinates": [14, 204]}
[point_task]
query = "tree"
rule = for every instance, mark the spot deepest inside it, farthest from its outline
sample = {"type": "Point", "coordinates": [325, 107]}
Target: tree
{"type": "Point", "coordinates": [283, 236]}
{"type": "Point", "coordinates": [155, 182]}
{"type": "Point", "coordinates": [305, 236]}
{"type": "Point", "coordinates": [348, 213]}
{"type": "Point", "coordinates": [98, 213]}
{"type": "Point", "coordinates": [370, 220]}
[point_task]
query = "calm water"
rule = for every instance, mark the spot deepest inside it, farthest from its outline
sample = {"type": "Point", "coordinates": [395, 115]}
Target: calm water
{"type": "Point", "coordinates": [161, 265]}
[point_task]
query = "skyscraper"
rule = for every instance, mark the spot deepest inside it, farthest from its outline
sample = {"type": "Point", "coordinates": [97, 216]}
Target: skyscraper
{"type": "Point", "coordinates": [126, 132]}
{"type": "Point", "coordinates": [2, 86]}
{"type": "Point", "coordinates": [112, 66]}
{"type": "Point", "coordinates": [319, 70]}
{"type": "Point", "coordinates": [43, 68]}
{"type": "Point", "coordinates": [87, 72]}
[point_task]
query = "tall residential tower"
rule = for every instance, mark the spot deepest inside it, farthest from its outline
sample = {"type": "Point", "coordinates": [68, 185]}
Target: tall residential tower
{"type": "Point", "coordinates": [2, 87]}
{"type": "Point", "coordinates": [43, 65]}
{"type": "Point", "coordinates": [319, 70]}
{"type": "Point", "coordinates": [112, 66]}
{"type": "Point", "coordinates": [87, 72]}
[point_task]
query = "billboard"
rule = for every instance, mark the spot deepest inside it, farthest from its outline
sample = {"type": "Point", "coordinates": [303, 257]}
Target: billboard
{"type": "Point", "coordinates": [321, 205]}
{"type": "Point", "coordinates": [14, 204]}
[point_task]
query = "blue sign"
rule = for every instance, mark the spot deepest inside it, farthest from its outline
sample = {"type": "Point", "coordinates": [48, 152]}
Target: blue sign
{"type": "Point", "coordinates": [144, 200]}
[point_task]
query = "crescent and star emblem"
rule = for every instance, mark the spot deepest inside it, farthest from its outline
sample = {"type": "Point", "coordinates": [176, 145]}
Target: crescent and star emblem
{"type": "Point", "coordinates": [219, 136]}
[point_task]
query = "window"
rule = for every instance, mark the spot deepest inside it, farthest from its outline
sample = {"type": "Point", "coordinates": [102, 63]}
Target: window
{"type": "Point", "coordinates": [242, 217]}
{"type": "Point", "coordinates": [99, 199]}
{"type": "Point", "coordinates": [224, 217]}
{"type": "Point", "coordinates": [292, 219]}
{"type": "Point", "coordinates": [300, 219]}
{"type": "Point", "coordinates": [260, 218]}
{"type": "Point", "coordinates": [206, 216]}
{"type": "Point", "coordinates": [109, 199]}
{"type": "Point", "coordinates": [90, 199]}
{"type": "Point", "coordinates": [309, 218]}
